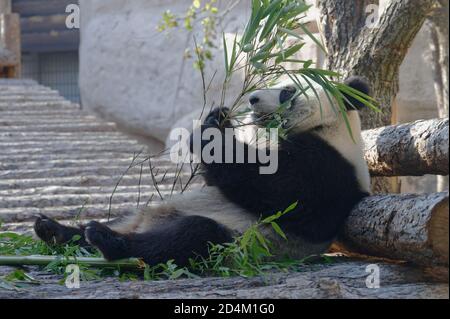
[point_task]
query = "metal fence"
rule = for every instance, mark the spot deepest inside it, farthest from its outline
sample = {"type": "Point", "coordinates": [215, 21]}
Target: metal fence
{"type": "Point", "coordinates": [57, 70]}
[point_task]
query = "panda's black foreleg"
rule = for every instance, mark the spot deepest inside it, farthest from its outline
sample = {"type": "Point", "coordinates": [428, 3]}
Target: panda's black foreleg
{"type": "Point", "coordinates": [52, 232]}
{"type": "Point", "coordinates": [180, 240]}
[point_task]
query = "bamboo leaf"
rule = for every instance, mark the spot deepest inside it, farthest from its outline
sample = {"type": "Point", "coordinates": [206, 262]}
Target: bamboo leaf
{"type": "Point", "coordinates": [290, 52]}
{"type": "Point", "coordinates": [270, 219]}
{"type": "Point", "coordinates": [290, 208]}
{"type": "Point", "coordinates": [225, 49]}
{"type": "Point", "coordinates": [290, 32]}
{"type": "Point", "coordinates": [312, 37]}
{"type": "Point", "coordinates": [271, 8]}
{"type": "Point", "coordinates": [262, 241]}
{"type": "Point", "coordinates": [234, 54]}
{"type": "Point", "coordinates": [270, 24]}
{"type": "Point", "coordinates": [253, 25]}
{"type": "Point", "coordinates": [278, 230]}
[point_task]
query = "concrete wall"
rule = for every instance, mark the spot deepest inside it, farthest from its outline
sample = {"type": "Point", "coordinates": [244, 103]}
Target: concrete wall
{"type": "Point", "coordinates": [137, 76]}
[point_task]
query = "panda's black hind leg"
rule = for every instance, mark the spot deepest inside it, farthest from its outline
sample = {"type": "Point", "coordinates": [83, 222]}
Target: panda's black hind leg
{"type": "Point", "coordinates": [113, 245]}
{"type": "Point", "coordinates": [179, 240]}
{"type": "Point", "coordinates": [52, 232]}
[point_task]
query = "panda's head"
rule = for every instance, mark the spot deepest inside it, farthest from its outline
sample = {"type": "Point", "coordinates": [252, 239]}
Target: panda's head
{"type": "Point", "coordinates": [302, 113]}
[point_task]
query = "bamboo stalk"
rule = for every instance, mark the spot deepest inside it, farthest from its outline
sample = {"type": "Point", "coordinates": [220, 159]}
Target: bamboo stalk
{"type": "Point", "coordinates": [45, 260]}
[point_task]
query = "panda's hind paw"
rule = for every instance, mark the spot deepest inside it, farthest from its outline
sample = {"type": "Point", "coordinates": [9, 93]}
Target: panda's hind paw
{"type": "Point", "coordinates": [112, 245]}
{"type": "Point", "coordinates": [49, 230]}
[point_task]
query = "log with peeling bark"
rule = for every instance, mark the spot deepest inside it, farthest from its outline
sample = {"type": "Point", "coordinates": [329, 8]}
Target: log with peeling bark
{"type": "Point", "coordinates": [412, 149]}
{"type": "Point", "coordinates": [401, 227]}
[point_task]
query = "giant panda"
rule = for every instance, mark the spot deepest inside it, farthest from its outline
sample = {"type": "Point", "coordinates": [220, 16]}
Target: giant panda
{"type": "Point", "coordinates": [320, 166]}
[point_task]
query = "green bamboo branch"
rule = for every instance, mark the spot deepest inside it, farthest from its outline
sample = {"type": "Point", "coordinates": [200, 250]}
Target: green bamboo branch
{"type": "Point", "coordinates": [88, 261]}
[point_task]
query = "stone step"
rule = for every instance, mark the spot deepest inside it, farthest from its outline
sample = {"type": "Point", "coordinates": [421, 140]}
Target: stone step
{"type": "Point", "coordinates": [145, 188]}
{"type": "Point", "coordinates": [17, 82]}
{"type": "Point", "coordinates": [36, 136]}
{"type": "Point", "coordinates": [69, 171]}
{"type": "Point", "coordinates": [30, 98]}
{"type": "Point", "coordinates": [37, 105]}
{"type": "Point", "coordinates": [12, 144]}
{"type": "Point", "coordinates": [82, 164]}
{"type": "Point", "coordinates": [85, 180]}
{"type": "Point", "coordinates": [57, 127]}
{"type": "Point", "coordinates": [125, 149]}
{"type": "Point", "coordinates": [30, 122]}
{"type": "Point", "coordinates": [21, 214]}
{"type": "Point", "coordinates": [80, 200]}
{"type": "Point", "coordinates": [43, 158]}
{"type": "Point", "coordinates": [26, 89]}
{"type": "Point", "coordinates": [48, 107]}
{"type": "Point", "coordinates": [56, 113]}
{"type": "Point", "coordinates": [38, 96]}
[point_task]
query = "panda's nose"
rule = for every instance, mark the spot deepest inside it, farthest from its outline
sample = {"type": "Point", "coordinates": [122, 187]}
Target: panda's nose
{"type": "Point", "coordinates": [253, 100]}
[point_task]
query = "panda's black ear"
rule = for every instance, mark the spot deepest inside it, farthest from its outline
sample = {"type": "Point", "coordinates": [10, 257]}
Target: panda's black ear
{"type": "Point", "coordinates": [358, 83]}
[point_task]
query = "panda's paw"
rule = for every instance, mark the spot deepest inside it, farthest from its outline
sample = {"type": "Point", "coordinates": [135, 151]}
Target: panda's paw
{"type": "Point", "coordinates": [218, 117]}
{"type": "Point", "coordinates": [111, 244]}
{"type": "Point", "coordinates": [49, 230]}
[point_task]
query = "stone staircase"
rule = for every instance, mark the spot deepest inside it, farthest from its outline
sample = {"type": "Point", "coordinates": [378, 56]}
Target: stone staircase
{"type": "Point", "coordinates": [58, 160]}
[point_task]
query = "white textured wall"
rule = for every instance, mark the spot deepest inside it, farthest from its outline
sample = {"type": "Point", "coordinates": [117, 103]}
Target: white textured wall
{"type": "Point", "coordinates": [136, 76]}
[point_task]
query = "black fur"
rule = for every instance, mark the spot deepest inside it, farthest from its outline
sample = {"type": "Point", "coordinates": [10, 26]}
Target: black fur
{"type": "Point", "coordinates": [360, 84]}
{"type": "Point", "coordinates": [180, 239]}
{"type": "Point", "coordinates": [309, 171]}
{"type": "Point", "coordinates": [52, 232]}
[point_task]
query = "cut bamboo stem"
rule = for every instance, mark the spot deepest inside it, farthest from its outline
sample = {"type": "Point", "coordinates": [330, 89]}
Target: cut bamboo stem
{"type": "Point", "coordinates": [46, 260]}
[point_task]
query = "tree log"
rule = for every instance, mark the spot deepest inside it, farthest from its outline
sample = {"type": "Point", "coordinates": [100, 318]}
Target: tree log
{"type": "Point", "coordinates": [413, 149]}
{"type": "Point", "coordinates": [401, 227]}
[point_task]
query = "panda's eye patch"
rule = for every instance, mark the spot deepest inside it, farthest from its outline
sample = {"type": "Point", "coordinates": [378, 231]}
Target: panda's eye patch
{"type": "Point", "coordinates": [286, 94]}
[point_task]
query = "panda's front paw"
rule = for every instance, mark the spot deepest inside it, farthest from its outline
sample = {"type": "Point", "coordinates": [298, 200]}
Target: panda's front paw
{"type": "Point", "coordinates": [218, 117]}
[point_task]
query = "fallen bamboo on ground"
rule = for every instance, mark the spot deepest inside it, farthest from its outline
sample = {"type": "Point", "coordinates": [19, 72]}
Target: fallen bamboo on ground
{"type": "Point", "coordinates": [88, 261]}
